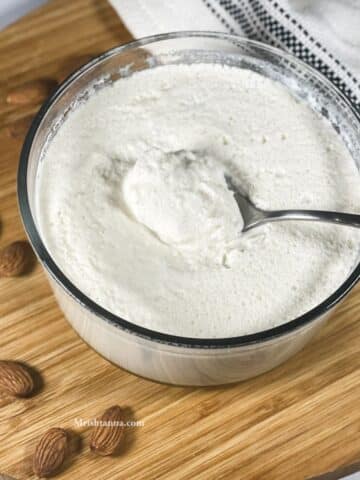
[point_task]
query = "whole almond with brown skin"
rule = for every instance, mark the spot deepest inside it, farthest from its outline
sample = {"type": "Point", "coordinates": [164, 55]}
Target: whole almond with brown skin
{"type": "Point", "coordinates": [107, 434]}
{"type": "Point", "coordinates": [50, 452]}
{"type": "Point", "coordinates": [33, 92]}
{"type": "Point", "coordinates": [20, 127]}
{"type": "Point", "coordinates": [14, 259]}
{"type": "Point", "coordinates": [15, 379]}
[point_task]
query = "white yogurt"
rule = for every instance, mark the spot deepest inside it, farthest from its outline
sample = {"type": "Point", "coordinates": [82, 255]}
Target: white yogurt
{"type": "Point", "coordinates": [155, 236]}
{"type": "Point", "coordinates": [182, 197]}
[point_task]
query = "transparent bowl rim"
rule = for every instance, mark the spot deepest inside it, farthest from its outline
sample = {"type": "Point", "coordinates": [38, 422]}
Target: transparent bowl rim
{"type": "Point", "coordinates": [93, 307]}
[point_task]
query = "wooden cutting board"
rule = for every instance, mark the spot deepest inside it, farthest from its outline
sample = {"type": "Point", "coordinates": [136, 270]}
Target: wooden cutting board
{"type": "Point", "coordinates": [297, 421]}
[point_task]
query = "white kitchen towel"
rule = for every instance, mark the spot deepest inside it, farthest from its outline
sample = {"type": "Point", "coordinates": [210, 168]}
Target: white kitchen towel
{"type": "Point", "coordinates": [323, 33]}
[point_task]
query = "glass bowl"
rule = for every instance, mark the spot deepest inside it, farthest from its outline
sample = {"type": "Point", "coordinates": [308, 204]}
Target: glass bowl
{"type": "Point", "coordinates": [148, 353]}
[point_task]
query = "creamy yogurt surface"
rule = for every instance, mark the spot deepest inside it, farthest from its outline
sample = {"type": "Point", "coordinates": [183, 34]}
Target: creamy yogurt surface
{"type": "Point", "coordinates": [133, 205]}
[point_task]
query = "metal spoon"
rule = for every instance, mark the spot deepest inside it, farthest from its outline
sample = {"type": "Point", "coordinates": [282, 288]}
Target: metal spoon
{"type": "Point", "coordinates": [254, 216]}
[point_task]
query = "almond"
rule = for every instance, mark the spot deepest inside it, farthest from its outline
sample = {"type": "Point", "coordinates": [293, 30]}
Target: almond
{"type": "Point", "coordinates": [108, 432]}
{"type": "Point", "coordinates": [15, 379]}
{"type": "Point", "coordinates": [20, 127]}
{"type": "Point", "coordinates": [50, 452]}
{"type": "Point", "coordinates": [14, 259]}
{"type": "Point", "coordinates": [32, 92]}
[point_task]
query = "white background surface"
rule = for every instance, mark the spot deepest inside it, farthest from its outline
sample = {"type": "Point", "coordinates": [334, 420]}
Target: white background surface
{"type": "Point", "coordinates": [11, 10]}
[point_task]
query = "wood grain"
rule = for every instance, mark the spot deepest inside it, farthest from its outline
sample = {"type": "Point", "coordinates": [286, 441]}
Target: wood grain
{"type": "Point", "coordinates": [297, 421]}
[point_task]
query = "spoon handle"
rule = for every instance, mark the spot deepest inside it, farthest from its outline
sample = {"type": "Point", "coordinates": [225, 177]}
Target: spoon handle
{"type": "Point", "coordinates": [350, 219]}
